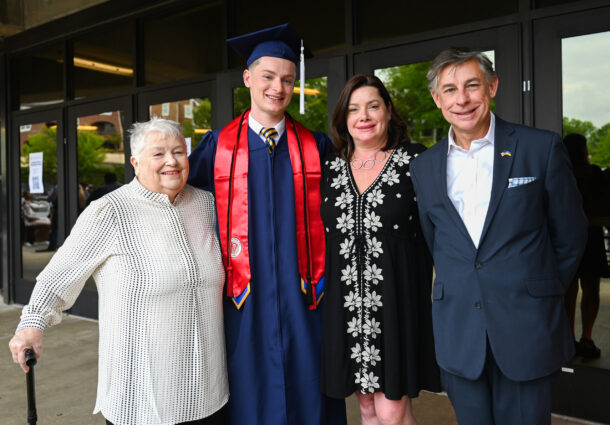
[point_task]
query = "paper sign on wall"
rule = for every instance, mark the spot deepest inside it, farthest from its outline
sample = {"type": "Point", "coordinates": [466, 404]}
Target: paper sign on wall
{"type": "Point", "coordinates": [188, 145]}
{"type": "Point", "coordinates": [35, 180]}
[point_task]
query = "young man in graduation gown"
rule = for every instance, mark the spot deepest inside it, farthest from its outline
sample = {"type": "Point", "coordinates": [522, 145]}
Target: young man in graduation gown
{"type": "Point", "coordinates": [264, 168]}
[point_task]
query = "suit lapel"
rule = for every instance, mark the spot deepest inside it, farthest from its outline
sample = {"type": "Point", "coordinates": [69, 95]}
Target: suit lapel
{"type": "Point", "coordinates": [442, 184]}
{"type": "Point", "coordinates": [504, 141]}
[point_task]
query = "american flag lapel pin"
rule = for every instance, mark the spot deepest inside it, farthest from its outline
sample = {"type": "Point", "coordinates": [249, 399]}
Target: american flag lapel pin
{"type": "Point", "coordinates": [506, 153]}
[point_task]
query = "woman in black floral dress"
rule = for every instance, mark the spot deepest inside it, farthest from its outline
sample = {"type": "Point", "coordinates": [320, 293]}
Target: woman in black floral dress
{"type": "Point", "coordinates": [377, 333]}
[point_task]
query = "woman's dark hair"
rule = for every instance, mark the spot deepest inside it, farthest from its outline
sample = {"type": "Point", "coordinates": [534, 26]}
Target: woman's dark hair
{"type": "Point", "coordinates": [576, 144]}
{"type": "Point", "coordinates": [342, 141]}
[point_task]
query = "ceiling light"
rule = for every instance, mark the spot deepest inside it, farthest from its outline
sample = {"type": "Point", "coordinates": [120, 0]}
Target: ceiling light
{"type": "Point", "coordinates": [102, 67]}
{"type": "Point", "coordinates": [312, 92]}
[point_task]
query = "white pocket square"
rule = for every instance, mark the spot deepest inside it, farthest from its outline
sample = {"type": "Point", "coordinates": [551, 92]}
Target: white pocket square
{"type": "Point", "coordinates": [519, 181]}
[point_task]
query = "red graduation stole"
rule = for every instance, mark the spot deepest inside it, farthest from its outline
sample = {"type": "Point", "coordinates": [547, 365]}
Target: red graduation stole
{"type": "Point", "coordinates": [231, 186]}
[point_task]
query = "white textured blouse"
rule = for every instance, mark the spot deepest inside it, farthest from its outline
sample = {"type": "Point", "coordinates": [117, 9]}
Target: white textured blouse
{"type": "Point", "coordinates": [159, 275]}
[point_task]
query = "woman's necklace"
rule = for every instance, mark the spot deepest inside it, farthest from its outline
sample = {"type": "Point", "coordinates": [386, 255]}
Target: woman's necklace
{"type": "Point", "coordinates": [368, 164]}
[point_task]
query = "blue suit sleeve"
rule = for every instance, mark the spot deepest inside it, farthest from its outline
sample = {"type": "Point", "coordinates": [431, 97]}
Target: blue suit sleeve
{"type": "Point", "coordinates": [201, 162]}
{"type": "Point", "coordinates": [566, 218]}
{"type": "Point", "coordinates": [325, 146]}
{"type": "Point", "coordinates": [426, 225]}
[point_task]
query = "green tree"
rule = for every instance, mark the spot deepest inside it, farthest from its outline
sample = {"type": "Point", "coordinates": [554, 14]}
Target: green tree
{"type": "Point", "coordinates": [241, 100]}
{"type": "Point", "coordinates": [408, 87]}
{"type": "Point", "coordinates": [91, 156]}
{"type": "Point", "coordinates": [600, 149]}
{"type": "Point", "coordinates": [112, 141]}
{"type": "Point", "coordinates": [598, 139]}
{"type": "Point", "coordinates": [316, 106]}
{"type": "Point", "coordinates": [586, 128]}
{"type": "Point", "coordinates": [202, 120]}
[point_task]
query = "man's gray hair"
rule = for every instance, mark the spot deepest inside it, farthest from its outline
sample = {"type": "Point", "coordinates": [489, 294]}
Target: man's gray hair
{"type": "Point", "coordinates": [139, 131]}
{"type": "Point", "coordinates": [455, 56]}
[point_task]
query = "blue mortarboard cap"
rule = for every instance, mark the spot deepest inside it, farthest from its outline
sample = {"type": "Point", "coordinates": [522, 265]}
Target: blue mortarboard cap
{"type": "Point", "coordinates": [279, 42]}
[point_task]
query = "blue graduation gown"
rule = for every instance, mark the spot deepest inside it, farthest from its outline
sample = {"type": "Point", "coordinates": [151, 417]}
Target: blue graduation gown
{"type": "Point", "coordinates": [273, 341]}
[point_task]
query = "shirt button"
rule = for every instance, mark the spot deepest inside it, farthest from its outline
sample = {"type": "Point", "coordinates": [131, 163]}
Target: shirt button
{"type": "Point", "coordinates": [477, 305]}
{"type": "Point", "coordinates": [478, 264]}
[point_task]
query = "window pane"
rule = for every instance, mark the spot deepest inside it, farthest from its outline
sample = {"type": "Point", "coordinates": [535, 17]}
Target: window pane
{"type": "Point", "coordinates": [374, 22]}
{"type": "Point", "coordinates": [408, 87]}
{"type": "Point", "coordinates": [103, 62]}
{"type": "Point", "coordinates": [101, 156]}
{"type": "Point", "coordinates": [316, 103]}
{"type": "Point", "coordinates": [39, 193]}
{"type": "Point", "coordinates": [585, 64]}
{"type": "Point", "coordinates": [40, 77]}
{"type": "Point", "coordinates": [241, 100]}
{"type": "Point", "coordinates": [195, 116]}
{"type": "Point", "coordinates": [184, 45]}
{"type": "Point", "coordinates": [101, 161]}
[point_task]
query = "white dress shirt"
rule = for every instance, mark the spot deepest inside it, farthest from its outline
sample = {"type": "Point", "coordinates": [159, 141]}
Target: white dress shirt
{"type": "Point", "coordinates": [469, 178]}
{"type": "Point", "coordinates": [256, 127]}
{"type": "Point", "coordinates": [159, 275]}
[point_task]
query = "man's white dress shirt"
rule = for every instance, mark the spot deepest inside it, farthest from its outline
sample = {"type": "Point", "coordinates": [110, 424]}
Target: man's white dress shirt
{"type": "Point", "coordinates": [469, 178]}
{"type": "Point", "coordinates": [280, 127]}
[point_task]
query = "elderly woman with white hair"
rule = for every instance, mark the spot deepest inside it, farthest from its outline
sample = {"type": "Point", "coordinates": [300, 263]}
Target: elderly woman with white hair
{"type": "Point", "coordinates": [152, 249]}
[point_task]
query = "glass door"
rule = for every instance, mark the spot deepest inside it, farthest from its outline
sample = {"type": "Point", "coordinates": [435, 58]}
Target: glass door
{"type": "Point", "coordinates": [571, 79]}
{"type": "Point", "coordinates": [98, 163]}
{"type": "Point", "coordinates": [37, 196]}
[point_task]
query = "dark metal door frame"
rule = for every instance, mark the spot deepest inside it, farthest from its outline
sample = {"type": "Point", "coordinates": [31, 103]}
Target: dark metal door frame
{"type": "Point", "coordinates": [580, 390]}
{"type": "Point", "coordinates": [87, 303]}
{"type": "Point", "coordinates": [547, 81]}
{"type": "Point", "coordinates": [22, 288]}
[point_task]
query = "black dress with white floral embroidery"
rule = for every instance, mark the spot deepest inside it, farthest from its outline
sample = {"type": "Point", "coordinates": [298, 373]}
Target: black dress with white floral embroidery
{"type": "Point", "coordinates": [377, 333]}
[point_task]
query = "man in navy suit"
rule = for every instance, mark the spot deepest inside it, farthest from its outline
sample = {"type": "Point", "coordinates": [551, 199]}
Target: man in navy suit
{"type": "Point", "coordinates": [502, 216]}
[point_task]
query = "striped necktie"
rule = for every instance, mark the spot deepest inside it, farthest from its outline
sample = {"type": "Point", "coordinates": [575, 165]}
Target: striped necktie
{"type": "Point", "coordinates": [269, 133]}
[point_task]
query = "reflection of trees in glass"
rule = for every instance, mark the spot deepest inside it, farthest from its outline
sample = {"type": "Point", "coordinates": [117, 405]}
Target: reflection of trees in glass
{"type": "Point", "coordinates": [316, 106]}
{"type": "Point", "coordinates": [598, 139]}
{"type": "Point", "coordinates": [408, 87]}
{"type": "Point", "coordinates": [113, 141]}
{"type": "Point", "coordinates": [91, 157]}
{"type": "Point", "coordinates": [241, 100]}
{"type": "Point", "coordinates": [202, 119]}
{"type": "Point", "coordinates": [44, 141]}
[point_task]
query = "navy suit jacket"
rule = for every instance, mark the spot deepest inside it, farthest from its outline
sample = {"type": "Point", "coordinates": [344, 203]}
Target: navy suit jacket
{"type": "Point", "coordinates": [510, 289]}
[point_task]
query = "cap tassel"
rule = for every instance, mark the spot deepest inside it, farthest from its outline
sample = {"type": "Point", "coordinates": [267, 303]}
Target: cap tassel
{"type": "Point", "coordinates": [302, 90]}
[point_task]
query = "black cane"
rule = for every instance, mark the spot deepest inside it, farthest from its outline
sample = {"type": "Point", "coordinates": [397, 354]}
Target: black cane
{"type": "Point", "coordinates": [30, 360]}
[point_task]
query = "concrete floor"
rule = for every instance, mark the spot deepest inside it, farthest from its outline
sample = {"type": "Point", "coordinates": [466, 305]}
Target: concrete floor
{"type": "Point", "coordinates": [66, 378]}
